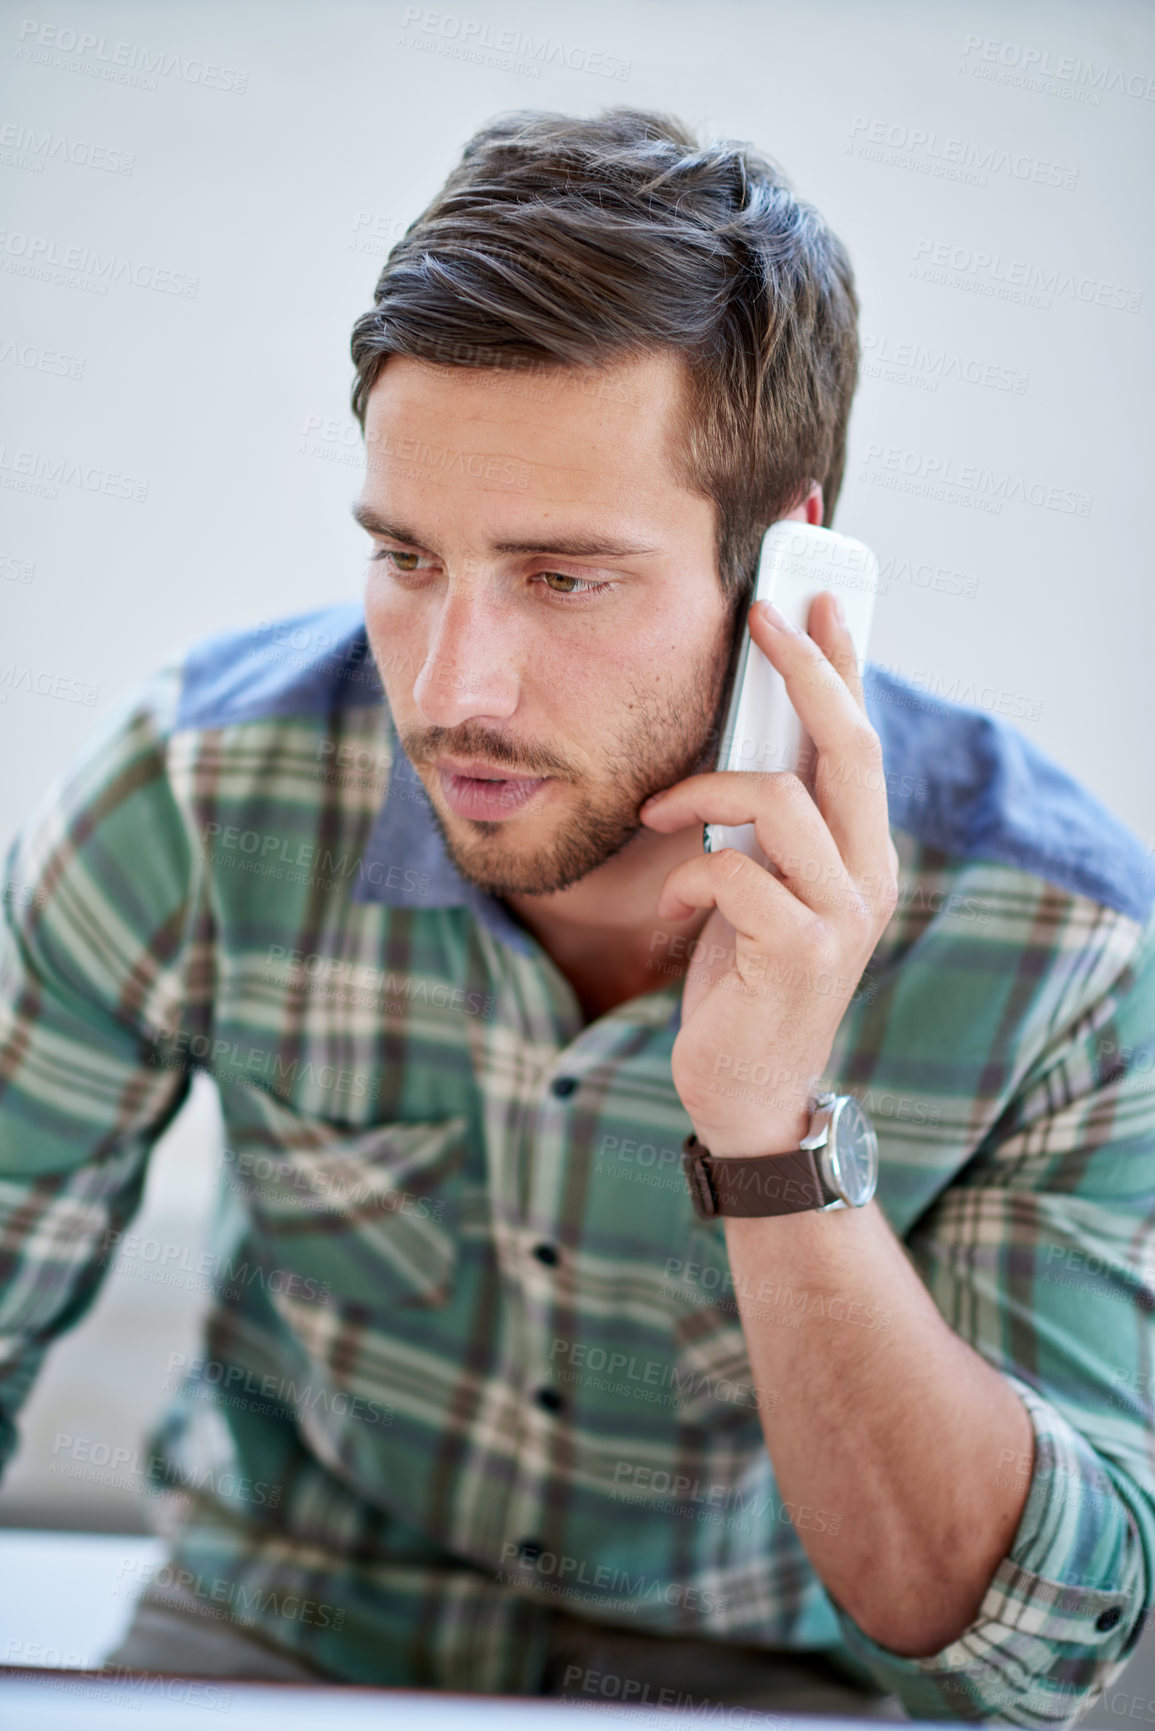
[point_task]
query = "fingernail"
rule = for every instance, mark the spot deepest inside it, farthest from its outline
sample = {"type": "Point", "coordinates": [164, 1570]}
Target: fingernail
{"type": "Point", "coordinates": [839, 611]}
{"type": "Point", "coordinates": [776, 618]}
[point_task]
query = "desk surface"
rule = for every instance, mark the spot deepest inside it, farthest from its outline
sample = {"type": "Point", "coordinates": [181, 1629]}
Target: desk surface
{"type": "Point", "coordinates": [61, 1700]}
{"type": "Point", "coordinates": [66, 1598]}
{"type": "Point", "coordinates": [64, 1603]}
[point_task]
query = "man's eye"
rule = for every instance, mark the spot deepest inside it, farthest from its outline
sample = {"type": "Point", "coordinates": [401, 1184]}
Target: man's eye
{"type": "Point", "coordinates": [574, 585]}
{"type": "Point", "coordinates": [397, 560]}
{"type": "Point", "coordinates": [560, 583]}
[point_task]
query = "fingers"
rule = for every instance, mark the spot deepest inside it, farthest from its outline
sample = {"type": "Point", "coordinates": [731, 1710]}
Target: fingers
{"type": "Point", "coordinates": [826, 628]}
{"type": "Point", "coordinates": [787, 823]}
{"type": "Point", "coordinates": [825, 688]}
{"type": "Point", "coordinates": [834, 848]}
{"type": "Point", "coordinates": [759, 907]}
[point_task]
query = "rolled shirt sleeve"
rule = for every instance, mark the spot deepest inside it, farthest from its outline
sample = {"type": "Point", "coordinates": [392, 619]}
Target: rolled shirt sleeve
{"type": "Point", "coordinates": [1041, 1256]}
{"type": "Point", "coordinates": [1064, 1608]}
{"type": "Point", "coordinates": [97, 910]}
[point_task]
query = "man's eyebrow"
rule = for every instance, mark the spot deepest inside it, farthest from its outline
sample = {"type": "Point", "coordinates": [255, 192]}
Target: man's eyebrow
{"type": "Point", "coordinates": [566, 546]}
{"type": "Point", "coordinates": [374, 524]}
{"type": "Point", "coordinates": [576, 547]}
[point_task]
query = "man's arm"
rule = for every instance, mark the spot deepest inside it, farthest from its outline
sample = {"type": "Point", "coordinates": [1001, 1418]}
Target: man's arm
{"type": "Point", "coordinates": [899, 1429]}
{"type": "Point", "coordinates": [915, 1434]}
{"type": "Point", "coordinates": [1035, 1264]}
{"type": "Point", "coordinates": [97, 908]}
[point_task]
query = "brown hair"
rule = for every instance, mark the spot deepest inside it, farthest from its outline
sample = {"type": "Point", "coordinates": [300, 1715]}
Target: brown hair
{"type": "Point", "coordinates": [575, 242]}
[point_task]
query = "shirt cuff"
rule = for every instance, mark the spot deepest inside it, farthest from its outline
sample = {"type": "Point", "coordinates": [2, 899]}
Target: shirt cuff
{"type": "Point", "coordinates": [1064, 1608]}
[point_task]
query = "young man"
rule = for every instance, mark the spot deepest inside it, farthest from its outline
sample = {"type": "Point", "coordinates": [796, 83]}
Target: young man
{"type": "Point", "coordinates": [498, 1391]}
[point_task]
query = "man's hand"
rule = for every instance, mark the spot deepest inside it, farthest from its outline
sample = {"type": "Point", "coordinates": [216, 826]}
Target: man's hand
{"type": "Point", "coordinates": [788, 951]}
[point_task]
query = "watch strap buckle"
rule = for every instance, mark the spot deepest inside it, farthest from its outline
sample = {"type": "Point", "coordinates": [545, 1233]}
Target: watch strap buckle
{"type": "Point", "coordinates": [702, 1192]}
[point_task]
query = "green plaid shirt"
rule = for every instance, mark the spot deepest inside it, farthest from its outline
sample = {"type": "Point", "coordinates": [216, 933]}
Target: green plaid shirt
{"type": "Point", "coordinates": [470, 1357]}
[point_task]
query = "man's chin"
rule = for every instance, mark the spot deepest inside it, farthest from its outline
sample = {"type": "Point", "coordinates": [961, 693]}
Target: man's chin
{"type": "Point", "coordinates": [503, 865]}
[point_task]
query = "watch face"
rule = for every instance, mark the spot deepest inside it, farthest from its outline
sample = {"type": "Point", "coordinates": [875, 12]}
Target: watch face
{"type": "Point", "coordinates": [853, 1149]}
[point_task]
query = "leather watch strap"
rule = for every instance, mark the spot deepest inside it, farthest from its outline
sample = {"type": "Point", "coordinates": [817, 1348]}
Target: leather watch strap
{"type": "Point", "coordinates": [754, 1185]}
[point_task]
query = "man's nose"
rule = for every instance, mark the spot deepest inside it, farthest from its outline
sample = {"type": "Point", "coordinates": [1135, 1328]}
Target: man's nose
{"type": "Point", "coordinates": [470, 667]}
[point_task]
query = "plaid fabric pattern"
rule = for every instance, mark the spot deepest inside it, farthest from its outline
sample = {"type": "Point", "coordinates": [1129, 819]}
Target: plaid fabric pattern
{"type": "Point", "coordinates": [470, 1356]}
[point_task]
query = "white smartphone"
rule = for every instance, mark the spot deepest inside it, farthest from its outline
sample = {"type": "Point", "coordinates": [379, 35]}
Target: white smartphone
{"type": "Point", "coordinates": [762, 732]}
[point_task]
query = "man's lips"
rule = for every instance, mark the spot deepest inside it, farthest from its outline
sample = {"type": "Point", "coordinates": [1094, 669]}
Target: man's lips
{"type": "Point", "coordinates": [476, 789]}
{"type": "Point", "coordinates": [476, 769]}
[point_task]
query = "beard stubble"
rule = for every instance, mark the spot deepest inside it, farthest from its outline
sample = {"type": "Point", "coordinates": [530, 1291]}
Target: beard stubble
{"type": "Point", "coordinates": [671, 735]}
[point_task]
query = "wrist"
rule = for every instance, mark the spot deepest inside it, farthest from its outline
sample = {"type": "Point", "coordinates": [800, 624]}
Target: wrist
{"type": "Point", "coordinates": [777, 1132]}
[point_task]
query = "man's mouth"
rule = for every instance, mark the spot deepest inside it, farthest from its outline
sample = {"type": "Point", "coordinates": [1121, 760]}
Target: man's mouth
{"type": "Point", "coordinates": [476, 789]}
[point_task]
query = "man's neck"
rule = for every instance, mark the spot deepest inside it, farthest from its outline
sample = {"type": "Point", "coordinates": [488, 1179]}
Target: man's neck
{"type": "Point", "coordinates": [603, 933]}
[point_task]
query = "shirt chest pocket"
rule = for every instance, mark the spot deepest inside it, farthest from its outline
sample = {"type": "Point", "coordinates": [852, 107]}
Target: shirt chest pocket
{"type": "Point", "coordinates": [364, 1217]}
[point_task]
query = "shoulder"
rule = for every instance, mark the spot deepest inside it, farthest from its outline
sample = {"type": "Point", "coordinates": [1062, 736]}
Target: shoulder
{"type": "Point", "coordinates": [971, 785]}
{"type": "Point", "coordinates": [305, 664]}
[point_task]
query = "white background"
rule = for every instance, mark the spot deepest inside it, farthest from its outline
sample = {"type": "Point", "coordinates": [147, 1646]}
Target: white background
{"type": "Point", "coordinates": [229, 406]}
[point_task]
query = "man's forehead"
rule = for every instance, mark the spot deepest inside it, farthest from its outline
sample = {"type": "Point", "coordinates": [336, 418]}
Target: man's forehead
{"type": "Point", "coordinates": [602, 434]}
{"type": "Point", "coordinates": [630, 404]}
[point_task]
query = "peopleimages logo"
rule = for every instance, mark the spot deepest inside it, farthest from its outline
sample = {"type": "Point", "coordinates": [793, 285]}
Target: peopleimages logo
{"type": "Point", "coordinates": [37, 360]}
{"type": "Point", "coordinates": [690, 1496]}
{"type": "Point", "coordinates": [23, 147]}
{"type": "Point", "coordinates": [1035, 68]}
{"type": "Point", "coordinates": [555, 1566]}
{"type": "Point", "coordinates": [82, 267]}
{"type": "Point", "coordinates": [118, 1467]}
{"type": "Point", "coordinates": [44, 683]}
{"type": "Point", "coordinates": [967, 483]}
{"type": "Point", "coordinates": [473, 39]}
{"type": "Point", "coordinates": [928, 152]}
{"type": "Point", "coordinates": [1016, 280]}
{"type": "Point", "coordinates": [40, 473]}
{"type": "Point", "coordinates": [121, 62]}
{"type": "Point", "coordinates": [922, 365]}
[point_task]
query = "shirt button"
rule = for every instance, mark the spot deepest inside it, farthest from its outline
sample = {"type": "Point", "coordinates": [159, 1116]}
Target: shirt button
{"type": "Point", "coordinates": [563, 1086]}
{"type": "Point", "coordinates": [550, 1399]}
{"type": "Point", "coordinates": [548, 1254]}
{"type": "Point", "coordinates": [1108, 1618]}
{"type": "Point", "coordinates": [529, 1550]}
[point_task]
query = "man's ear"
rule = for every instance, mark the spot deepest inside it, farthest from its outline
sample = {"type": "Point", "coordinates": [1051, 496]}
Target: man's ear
{"type": "Point", "coordinates": [808, 509]}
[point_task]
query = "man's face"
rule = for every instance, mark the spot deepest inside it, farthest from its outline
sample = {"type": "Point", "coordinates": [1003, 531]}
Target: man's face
{"type": "Point", "coordinates": [542, 605]}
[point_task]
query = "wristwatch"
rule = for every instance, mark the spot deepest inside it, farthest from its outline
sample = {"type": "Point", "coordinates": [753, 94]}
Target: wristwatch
{"type": "Point", "coordinates": [834, 1166]}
